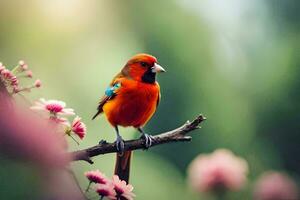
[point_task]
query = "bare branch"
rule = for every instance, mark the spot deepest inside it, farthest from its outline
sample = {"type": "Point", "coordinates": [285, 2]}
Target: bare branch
{"type": "Point", "coordinates": [176, 135]}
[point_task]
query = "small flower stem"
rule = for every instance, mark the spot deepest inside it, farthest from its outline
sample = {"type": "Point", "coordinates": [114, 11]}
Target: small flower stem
{"type": "Point", "coordinates": [27, 89]}
{"type": "Point", "coordinates": [15, 69]}
{"type": "Point", "coordinates": [102, 197]}
{"type": "Point", "coordinates": [23, 76]}
{"type": "Point", "coordinates": [74, 139]}
{"type": "Point", "coordinates": [221, 195]}
{"type": "Point", "coordinates": [88, 187]}
{"type": "Point", "coordinates": [76, 182]}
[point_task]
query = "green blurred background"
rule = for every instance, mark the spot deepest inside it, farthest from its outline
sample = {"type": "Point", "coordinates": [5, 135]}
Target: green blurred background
{"type": "Point", "coordinates": [235, 61]}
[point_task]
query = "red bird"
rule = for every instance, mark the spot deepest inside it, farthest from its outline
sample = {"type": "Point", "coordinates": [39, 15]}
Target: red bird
{"type": "Point", "coordinates": [131, 100]}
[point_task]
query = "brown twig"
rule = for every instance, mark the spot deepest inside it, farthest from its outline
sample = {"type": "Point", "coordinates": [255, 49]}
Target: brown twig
{"type": "Point", "coordinates": [176, 135]}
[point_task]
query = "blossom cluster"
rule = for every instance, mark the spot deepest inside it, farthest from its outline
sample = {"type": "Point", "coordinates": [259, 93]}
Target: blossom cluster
{"type": "Point", "coordinates": [273, 185]}
{"type": "Point", "coordinates": [11, 78]}
{"type": "Point", "coordinates": [110, 188]}
{"type": "Point", "coordinates": [222, 171]}
{"type": "Point", "coordinates": [219, 171]}
{"type": "Point", "coordinates": [57, 112]}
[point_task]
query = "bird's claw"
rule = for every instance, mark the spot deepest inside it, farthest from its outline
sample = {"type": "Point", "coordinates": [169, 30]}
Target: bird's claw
{"type": "Point", "coordinates": [120, 144]}
{"type": "Point", "coordinates": [148, 140]}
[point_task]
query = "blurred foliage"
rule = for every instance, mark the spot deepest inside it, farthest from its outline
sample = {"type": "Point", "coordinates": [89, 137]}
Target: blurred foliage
{"type": "Point", "coordinates": [237, 62]}
{"type": "Point", "coordinates": [19, 180]}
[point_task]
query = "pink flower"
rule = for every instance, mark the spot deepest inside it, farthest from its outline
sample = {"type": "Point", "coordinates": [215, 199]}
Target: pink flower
{"type": "Point", "coordinates": [14, 81]}
{"type": "Point", "coordinates": [219, 171]}
{"type": "Point", "coordinates": [29, 141]}
{"type": "Point", "coordinates": [29, 74]}
{"type": "Point", "coordinates": [122, 189]}
{"type": "Point", "coordinates": [21, 138]}
{"type": "Point", "coordinates": [21, 62]}
{"type": "Point", "coordinates": [60, 120]}
{"type": "Point", "coordinates": [37, 83]}
{"type": "Point", "coordinates": [6, 74]}
{"type": "Point", "coordinates": [275, 186]}
{"type": "Point", "coordinates": [53, 106]}
{"type": "Point", "coordinates": [96, 177]}
{"type": "Point", "coordinates": [16, 89]}
{"type": "Point", "coordinates": [106, 190]}
{"type": "Point", "coordinates": [78, 127]}
{"type": "Point", "coordinates": [23, 65]}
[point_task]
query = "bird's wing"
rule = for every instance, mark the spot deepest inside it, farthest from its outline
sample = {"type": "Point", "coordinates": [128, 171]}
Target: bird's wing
{"type": "Point", "coordinates": [110, 93]}
{"type": "Point", "coordinates": [158, 99]}
{"type": "Point", "coordinates": [159, 95]}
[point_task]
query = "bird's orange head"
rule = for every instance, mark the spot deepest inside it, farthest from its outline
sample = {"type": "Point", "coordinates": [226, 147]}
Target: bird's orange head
{"type": "Point", "coordinates": [142, 67]}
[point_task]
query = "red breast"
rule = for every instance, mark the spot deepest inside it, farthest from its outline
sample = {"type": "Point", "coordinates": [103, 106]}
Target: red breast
{"type": "Point", "coordinates": [134, 104]}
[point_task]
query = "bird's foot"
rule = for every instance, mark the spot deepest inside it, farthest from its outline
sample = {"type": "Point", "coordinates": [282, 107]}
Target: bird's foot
{"type": "Point", "coordinates": [148, 140]}
{"type": "Point", "coordinates": [120, 144]}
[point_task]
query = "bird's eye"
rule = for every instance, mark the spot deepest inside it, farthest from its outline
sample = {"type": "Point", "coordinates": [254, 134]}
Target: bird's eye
{"type": "Point", "coordinates": [144, 64]}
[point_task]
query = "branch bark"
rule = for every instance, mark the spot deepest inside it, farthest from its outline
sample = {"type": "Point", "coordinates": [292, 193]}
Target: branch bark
{"type": "Point", "coordinates": [176, 135]}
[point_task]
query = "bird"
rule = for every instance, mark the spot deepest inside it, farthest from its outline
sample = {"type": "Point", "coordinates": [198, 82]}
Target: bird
{"type": "Point", "coordinates": [130, 101]}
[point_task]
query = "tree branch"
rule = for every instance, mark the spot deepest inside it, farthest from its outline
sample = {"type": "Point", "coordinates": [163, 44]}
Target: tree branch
{"type": "Point", "coordinates": [176, 135]}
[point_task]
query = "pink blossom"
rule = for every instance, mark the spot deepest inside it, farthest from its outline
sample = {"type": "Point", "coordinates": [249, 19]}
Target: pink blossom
{"type": "Point", "coordinates": [14, 81]}
{"type": "Point", "coordinates": [9, 77]}
{"type": "Point", "coordinates": [16, 89]}
{"type": "Point", "coordinates": [78, 127]}
{"type": "Point", "coordinates": [60, 120]}
{"type": "Point", "coordinates": [28, 140]}
{"type": "Point", "coordinates": [221, 170]}
{"type": "Point", "coordinates": [53, 106]}
{"type": "Point", "coordinates": [21, 62]}
{"type": "Point", "coordinates": [6, 74]}
{"type": "Point", "coordinates": [23, 65]}
{"type": "Point", "coordinates": [29, 74]}
{"type": "Point", "coordinates": [21, 137]}
{"type": "Point", "coordinates": [122, 189]}
{"type": "Point", "coordinates": [275, 186]}
{"type": "Point", "coordinates": [106, 190]}
{"type": "Point", "coordinates": [37, 83]}
{"type": "Point", "coordinates": [96, 177]}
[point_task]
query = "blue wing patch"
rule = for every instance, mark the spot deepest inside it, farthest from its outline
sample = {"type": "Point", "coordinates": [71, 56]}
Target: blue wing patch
{"type": "Point", "coordinates": [110, 91]}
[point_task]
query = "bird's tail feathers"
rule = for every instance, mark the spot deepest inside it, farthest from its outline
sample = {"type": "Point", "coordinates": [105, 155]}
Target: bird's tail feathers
{"type": "Point", "coordinates": [122, 167]}
{"type": "Point", "coordinates": [98, 113]}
